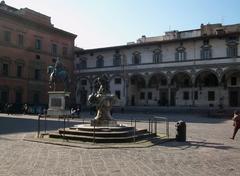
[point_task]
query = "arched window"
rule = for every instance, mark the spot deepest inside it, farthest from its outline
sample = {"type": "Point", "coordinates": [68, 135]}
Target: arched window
{"type": "Point", "coordinates": [100, 61]}
{"type": "Point", "coordinates": [157, 56]}
{"type": "Point", "coordinates": [117, 59]}
{"type": "Point", "coordinates": [180, 54]}
{"type": "Point", "coordinates": [136, 58]}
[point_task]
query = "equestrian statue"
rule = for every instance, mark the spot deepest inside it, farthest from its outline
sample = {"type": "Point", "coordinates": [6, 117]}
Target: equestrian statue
{"type": "Point", "coordinates": [58, 74]}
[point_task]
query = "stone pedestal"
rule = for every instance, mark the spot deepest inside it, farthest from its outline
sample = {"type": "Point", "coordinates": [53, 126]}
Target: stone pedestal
{"type": "Point", "coordinates": [104, 123]}
{"type": "Point", "coordinates": [57, 103]}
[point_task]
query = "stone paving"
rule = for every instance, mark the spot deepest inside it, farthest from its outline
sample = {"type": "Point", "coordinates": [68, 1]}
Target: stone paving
{"type": "Point", "coordinates": [208, 151]}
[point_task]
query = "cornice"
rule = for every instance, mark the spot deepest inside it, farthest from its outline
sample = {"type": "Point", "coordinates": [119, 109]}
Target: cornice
{"type": "Point", "coordinates": [35, 25]}
{"type": "Point", "coordinates": [157, 43]}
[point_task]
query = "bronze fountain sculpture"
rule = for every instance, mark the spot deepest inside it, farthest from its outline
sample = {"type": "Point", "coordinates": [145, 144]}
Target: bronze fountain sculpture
{"type": "Point", "coordinates": [103, 100]}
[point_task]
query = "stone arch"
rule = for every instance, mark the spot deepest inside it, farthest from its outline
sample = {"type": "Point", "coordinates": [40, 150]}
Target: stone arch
{"type": "Point", "coordinates": [157, 79]}
{"type": "Point", "coordinates": [116, 75]}
{"type": "Point", "coordinates": [181, 79]}
{"type": "Point", "coordinates": [206, 78]}
{"type": "Point", "coordinates": [138, 80]}
{"type": "Point", "coordinates": [229, 71]}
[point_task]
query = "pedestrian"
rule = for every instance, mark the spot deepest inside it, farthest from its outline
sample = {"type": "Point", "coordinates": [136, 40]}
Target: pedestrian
{"type": "Point", "coordinates": [25, 109]}
{"type": "Point", "coordinates": [78, 110]}
{"type": "Point", "coordinates": [236, 123]}
{"type": "Point", "coordinates": [8, 108]}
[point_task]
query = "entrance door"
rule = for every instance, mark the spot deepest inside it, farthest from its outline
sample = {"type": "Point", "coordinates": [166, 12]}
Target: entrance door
{"type": "Point", "coordinates": [133, 100]}
{"type": "Point", "coordinates": [233, 98]}
{"type": "Point", "coordinates": [173, 98]}
{"type": "Point", "coordinates": [163, 100]}
{"type": "Point", "coordinates": [83, 99]}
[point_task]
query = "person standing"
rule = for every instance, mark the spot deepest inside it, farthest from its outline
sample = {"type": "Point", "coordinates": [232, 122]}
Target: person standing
{"type": "Point", "coordinates": [25, 109]}
{"type": "Point", "coordinates": [236, 123]}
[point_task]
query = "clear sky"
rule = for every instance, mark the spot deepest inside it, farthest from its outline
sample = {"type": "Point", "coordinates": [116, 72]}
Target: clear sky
{"type": "Point", "coordinates": [101, 23]}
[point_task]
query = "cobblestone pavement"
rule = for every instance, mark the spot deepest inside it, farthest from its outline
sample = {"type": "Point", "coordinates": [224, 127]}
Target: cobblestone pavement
{"type": "Point", "coordinates": [208, 151]}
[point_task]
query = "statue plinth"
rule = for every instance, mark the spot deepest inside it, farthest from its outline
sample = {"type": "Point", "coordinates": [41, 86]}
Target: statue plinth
{"type": "Point", "coordinates": [57, 103]}
{"type": "Point", "coordinates": [104, 123]}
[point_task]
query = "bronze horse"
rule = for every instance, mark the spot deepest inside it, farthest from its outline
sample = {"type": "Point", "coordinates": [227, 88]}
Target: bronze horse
{"type": "Point", "coordinates": [58, 73]}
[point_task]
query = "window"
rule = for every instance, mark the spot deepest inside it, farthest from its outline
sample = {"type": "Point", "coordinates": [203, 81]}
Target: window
{"type": "Point", "coordinates": [38, 44]}
{"type": "Point", "coordinates": [37, 74]}
{"type": "Point", "coordinates": [4, 96]}
{"type": "Point", "coordinates": [117, 59]}
{"type": "Point", "coordinates": [118, 94]}
{"type": "Point", "coordinates": [180, 54]}
{"type": "Point", "coordinates": [157, 56]}
{"type": "Point", "coordinates": [100, 61]}
{"type": "Point", "coordinates": [142, 95]}
{"type": "Point", "coordinates": [7, 36]}
{"type": "Point", "coordinates": [84, 82]}
{"type": "Point", "coordinates": [117, 80]}
{"type": "Point", "coordinates": [232, 50]}
{"type": "Point", "coordinates": [37, 56]}
{"type": "Point", "coordinates": [206, 53]}
{"type": "Point", "coordinates": [19, 71]}
{"type": "Point", "coordinates": [211, 95]}
{"type": "Point", "coordinates": [186, 95]}
{"type": "Point", "coordinates": [196, 95]}
{"type": "Point", "coordinates": [5, 69]}
{"type": "Point", "coordinates": [136, 58]}
{"type": "Point", "coordinates": [82, 64]}
{"type": "Point", "coordinates": [78, 66]}
{"type": "Point", "coordinates": [20, 40]}
{"type": "Point", "coordinates": [54, 49]}
{"type": "Point", "coordinates": [149, 95]}
{"type": "Point", "coordinates": [64, 51]}
{"type": "Point", "coordinates": [233, 81]}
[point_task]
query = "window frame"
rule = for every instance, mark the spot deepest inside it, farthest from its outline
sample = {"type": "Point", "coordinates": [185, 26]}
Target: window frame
{"type": "Point", "coordinates": [7, 36]}
{"type": "Point", "coordinates": [38, 44]}
{"type": "Point", "coordinates": [136, 58]}
{"type": "Point", "coordinates": [100, 61]}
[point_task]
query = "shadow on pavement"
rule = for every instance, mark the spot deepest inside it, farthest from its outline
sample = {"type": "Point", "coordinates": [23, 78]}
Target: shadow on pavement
{"type": "Point", "coordinates": [12, 125]}
{"type": "Point", "coordinates": [195, 145]}
{"type": "Point", "coordinates": [172, 117]}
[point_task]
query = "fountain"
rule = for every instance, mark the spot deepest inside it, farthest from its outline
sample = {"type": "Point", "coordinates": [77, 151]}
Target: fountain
{"type": "Point", "coordinates": [103, 128]}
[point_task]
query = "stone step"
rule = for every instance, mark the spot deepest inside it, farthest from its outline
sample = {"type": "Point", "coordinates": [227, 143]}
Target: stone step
{"type": "Point", "coordinates": [100, 139]}
{"type": "Point", "coordinates": [109, 134]}
{"type": "Point", "coordinates": [91, 128]}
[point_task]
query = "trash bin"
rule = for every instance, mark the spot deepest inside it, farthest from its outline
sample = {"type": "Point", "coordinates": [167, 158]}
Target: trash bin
{"type": "Point", "coordinates": [181, 131]}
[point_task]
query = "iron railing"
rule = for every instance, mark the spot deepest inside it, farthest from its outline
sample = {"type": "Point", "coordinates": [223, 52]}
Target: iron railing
{"type": "Point", "coordinates": [154, 125]}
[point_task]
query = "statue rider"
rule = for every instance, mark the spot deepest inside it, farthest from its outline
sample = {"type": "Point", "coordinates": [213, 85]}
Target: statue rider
{"type": "Point", "coordinates": [58, 66]}
{"type": "Point", "coordinates": [58, 72]}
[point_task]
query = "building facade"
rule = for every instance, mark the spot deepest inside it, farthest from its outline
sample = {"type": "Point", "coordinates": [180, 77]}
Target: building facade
{"type": "Point", "coordinates": [198, 67]}
{"type": "Point", "coordinates": [29, 43]}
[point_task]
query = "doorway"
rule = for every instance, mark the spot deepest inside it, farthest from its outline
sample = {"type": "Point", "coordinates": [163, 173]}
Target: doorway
{"type": "Point", "coordinates": [233, 98]}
